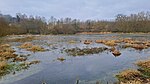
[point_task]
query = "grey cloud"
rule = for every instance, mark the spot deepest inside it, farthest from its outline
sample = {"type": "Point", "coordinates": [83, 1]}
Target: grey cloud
{"type": "Point", "coordinates": [81, 9]}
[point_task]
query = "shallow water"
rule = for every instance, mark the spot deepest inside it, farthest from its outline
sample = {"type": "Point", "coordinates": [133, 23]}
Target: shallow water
{"type": "Point", "coordinates": [88, 69]}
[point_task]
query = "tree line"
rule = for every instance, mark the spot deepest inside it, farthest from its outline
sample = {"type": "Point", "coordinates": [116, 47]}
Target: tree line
{"type": "Point", "coordinates": [23, 24]}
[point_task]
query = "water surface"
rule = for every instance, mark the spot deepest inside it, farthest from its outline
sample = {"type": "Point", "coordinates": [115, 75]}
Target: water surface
{"type": "Point", "coordinates": [88, 69]}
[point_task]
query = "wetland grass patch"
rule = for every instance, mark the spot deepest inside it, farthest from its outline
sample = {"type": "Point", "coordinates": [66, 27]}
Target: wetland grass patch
{"type": "Point", "coordinates": [139, 76]}
{"type": "Point", "coordinates": [11, 62]}
{"type": "Point", "coordinates": [126, 43]}
{"type": "Point", "coordinates": [116, 53]}
{"type": "Point", "coordinates": [61, 59]}
{"type": "Point", "coordinates": [30, 47]}
{"type": "Point", "coordinates": [22, 39]}
{"type": "Point", "coordinates": [85, 51]}
{"type": "Point", "coordinates": [144, 67]}
{"type": "Point", "coordinates": [11, 68]}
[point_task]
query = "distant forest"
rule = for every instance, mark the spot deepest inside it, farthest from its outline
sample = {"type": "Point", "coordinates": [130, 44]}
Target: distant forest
{"type": "Point", "coordinates": [23, 24]}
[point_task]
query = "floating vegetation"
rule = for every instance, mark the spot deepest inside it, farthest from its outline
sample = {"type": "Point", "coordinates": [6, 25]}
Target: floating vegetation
{"type": "Point", "coordinates": [11, 68]}
{"type": "Point", "coordinates": [33, 62]}
{"type": "Point", "coordinates": [6, 52]}
{"type": "Point", "coordinates": [129, 74]}
{"type": "Point", "coordinates": [126, 43]}
{"type": "Point", "coordinates": [26, 45]}
{"type": "Point", "coordinates": [11, 62]}
{"type": "Point", "coordinates": [135, 46]}
{"type": "Point", "coordinates": [131, 82]}
{"type": "Point", "coordinates": [112, 49]}
{"type": "Point", "coordinates": [30, 47]}
{"type": "Point", "coordinates": [85, 51]}
{"type": "Point", "coordinates": [22, 39]}
{"type": "Point", "coordinates": [3, 64]}
{"type": "Point", "coordinates": [144, 64]}
{"type": "Point", "coordinates": [110, 43]}
{"type": "Point", "coordinates": [61, 59]}
{"type": "Point", "coordinates": [20, 59]}
{"type": "Point", "coordinates": [5, 45]}
{"type": "Point", "coordinates": [72, 42]}
{"type": "Point", "coordinates": [36, 48]}
{"type": "Point", "coordinates": [127, 40]}
{"type": "Point", "coordinates": [147, 44]}
{"type": "Point", "coordinates": [100, 41]}
{"type": "Point", "coordinates": [139, 46]}
{"type": "Point", "coordinates": [139, 76]}
{"type": "Point", "coordinates": [107, 42]}
{"type": "Point", "coordinates": [3, 68]}
{"type": "Point", "coordinates": [116, 53]}
{"type": "Point", "coordinates": [6, 68]}
{"type": "Point", "coordinates": [144, 67]}
{"type": "Point", "coordinates": [87, 41]}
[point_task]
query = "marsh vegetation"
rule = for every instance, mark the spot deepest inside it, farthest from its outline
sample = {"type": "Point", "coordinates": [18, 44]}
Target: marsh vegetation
{"type": "Point", "coordinates": [139, 76]}
{"type": "Point", "coordinates": [109, 58]}
{"type": "Point", "coordinates": [10, 61]}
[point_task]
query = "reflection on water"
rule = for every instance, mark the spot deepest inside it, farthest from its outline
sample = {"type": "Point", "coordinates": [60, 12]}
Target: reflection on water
{"type": "Point", "coordinates": [87, 69]}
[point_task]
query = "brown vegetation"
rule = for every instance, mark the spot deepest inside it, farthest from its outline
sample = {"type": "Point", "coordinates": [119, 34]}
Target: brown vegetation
{"type": "Point", "coordinates": [144, 67]}
{"type": "Point", "coordinates": [20, 59]}
{"type": "Point", "coordinates": [36, 48]}
{"type": "Point", "coordinates": [3, 64]}
{"type": "Point", "coordinates": [87, 41]}
{"type": "Point", "coordinates": [33, 62]}
{"type": "Point", "coordinates": [22, 24]}
{"type": "Point", "coordinates": [6, 52]}
{"type": "Point", "coordinates": [100, 41]}
{"type": "Point", "coordinates": [110, 43]}
{"type": "Point", "coordinates": [30, 47]}
{"type": "Point", "coordinates": [129, 74]}
{"type": "Point", "coordinates": [26, 45]}
{"type": "Point", "coordinates": [144, 64]}
{"type": "Point", "coordinates": [8, 60]}
{"type": "Point", "coordinates": [112, 49]}
{"type": "Point", "coordinates": [139, 76]}
{"type": "Point", "coordinates": [126, 43]}
{"type": "Point", "coordinates": [94, 33]}
{"type": "Point", "coordinates": [5, 45]}
{"type": "Point", "coordinates": [139, 46]}
{"type": "Point", "coordinates": [61, 59]}
{"type": "Point", "coordinates": [24, 39]}
{"type": "Point", "coordinates": [85, 51]}
{"type": "Point", "coordinates": [107, 42]}
{"type": "Point", "coordinates": [116, 53]}
{"type": "Point", "coordinates": [72, 42]}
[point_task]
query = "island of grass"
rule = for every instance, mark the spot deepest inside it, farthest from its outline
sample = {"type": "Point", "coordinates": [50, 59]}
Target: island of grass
{"type": "Point", "coordinates": [139, 76]}
{"type": "Point", "coordinates": [85, 51]}
{"type": "Point", "coordinates": [11, 62]}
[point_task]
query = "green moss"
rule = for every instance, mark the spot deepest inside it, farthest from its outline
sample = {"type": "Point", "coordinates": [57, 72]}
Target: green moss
{"type": "Point", "coordinates": [12, 68]}
{"type": "Point", "coordinates": [144, 67]}
{"type": "Point", "coordinates": [145, 72]}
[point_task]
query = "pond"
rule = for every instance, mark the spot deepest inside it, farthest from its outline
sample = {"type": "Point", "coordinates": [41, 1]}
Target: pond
{"type": "Point", "coordinates": [88, 69]}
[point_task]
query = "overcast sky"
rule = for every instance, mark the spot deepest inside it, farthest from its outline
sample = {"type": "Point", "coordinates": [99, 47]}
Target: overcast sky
{"type": "Point", "coordinates": [80, 9]}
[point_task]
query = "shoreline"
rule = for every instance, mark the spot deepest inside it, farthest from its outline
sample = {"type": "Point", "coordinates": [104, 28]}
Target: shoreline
{"type": "Point", "coordinates": [112, 33]}
{"type": "Point", "coordinates": [82, 33]}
